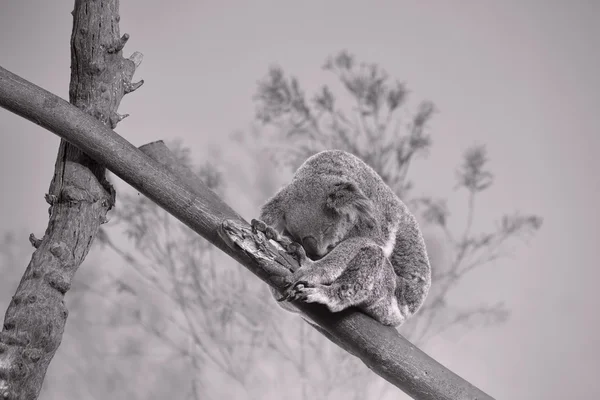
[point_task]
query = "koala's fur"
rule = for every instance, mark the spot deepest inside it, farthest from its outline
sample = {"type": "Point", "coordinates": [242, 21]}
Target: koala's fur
{"type": "Point", "coordinates": [364, 247]}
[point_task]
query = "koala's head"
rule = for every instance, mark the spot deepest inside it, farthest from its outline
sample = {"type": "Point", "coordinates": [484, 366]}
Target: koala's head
{"type": "Point", "coordinates": [322, 216]}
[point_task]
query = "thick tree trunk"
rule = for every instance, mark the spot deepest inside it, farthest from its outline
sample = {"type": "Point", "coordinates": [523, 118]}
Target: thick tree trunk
{"type": "Point", "coordinates": [79, 199]}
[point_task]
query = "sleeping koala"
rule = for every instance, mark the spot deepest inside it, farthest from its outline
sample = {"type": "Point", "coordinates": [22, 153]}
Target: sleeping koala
{"type": "Point", "coordinates": [360, 245]}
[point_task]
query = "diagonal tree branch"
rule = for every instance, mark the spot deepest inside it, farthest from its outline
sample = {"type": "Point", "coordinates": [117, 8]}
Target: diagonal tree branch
{"type": "Point", "coordinates": [381, 348]}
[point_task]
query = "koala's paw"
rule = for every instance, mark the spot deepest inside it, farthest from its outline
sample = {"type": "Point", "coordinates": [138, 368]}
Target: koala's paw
{"type": "Point", "coordinates": [291, 247]}
{"type": "Point", "coordinates": [312, 294]}
{"type": "Point", "coordinates": [260, 226]}
{"type": "Point", "coordinates": [297, 251]}
{"type": "Point", "coordinates": [289, 293]}
{"type": "Point", "coordinates": [295, 289]}
{"type": "Point", "coordinates": [269, 232]}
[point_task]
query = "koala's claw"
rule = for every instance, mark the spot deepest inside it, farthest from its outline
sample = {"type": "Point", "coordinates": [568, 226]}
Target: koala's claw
{"type": "Point", "coordinates": [304, 294]}
{"type": "Point", "coordinates": [258, 226]}
{"type": "Point", "coordinates": [271, 234]}
{"type": "Point", "coordinates": [294, 291]}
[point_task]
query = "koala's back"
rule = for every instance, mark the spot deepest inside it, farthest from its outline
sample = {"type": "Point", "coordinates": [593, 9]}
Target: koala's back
{"type": "Point", "coordinates": [341, 164]}
{"type": "Point", "coordinates": [389, 209]}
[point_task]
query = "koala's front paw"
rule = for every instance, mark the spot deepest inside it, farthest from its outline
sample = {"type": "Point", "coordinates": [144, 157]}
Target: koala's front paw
{"type": "Point", "coordinates": [260, 226]}
{"type": "Point", "coordinates": [270, 232]}
{"type": "Point", "coordinates": [292, 248]}
{"type": "Point", "coordinates": [297, 251]}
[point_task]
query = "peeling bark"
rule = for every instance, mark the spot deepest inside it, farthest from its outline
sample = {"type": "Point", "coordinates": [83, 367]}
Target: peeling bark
{"type": "Point", "coordinates": [79, 198]}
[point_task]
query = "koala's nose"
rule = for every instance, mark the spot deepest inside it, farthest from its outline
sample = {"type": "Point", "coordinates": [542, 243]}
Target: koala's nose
{"type": "Point", "coordinates": [310, 246]}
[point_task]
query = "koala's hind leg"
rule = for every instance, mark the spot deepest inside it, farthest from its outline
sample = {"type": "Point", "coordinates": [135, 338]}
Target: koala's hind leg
{"type": "Point", "coordinates": [360, 282]}
{"type": "Point", "coordinates": [324, 271]}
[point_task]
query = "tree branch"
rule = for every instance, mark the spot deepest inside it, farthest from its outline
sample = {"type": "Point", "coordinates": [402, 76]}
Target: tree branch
{"type": "Point", "coordinates": [381, 348]}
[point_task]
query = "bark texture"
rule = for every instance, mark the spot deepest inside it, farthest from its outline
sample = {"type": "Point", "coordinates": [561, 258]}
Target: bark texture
{"type": "Point", "coordinates": [79, 198]}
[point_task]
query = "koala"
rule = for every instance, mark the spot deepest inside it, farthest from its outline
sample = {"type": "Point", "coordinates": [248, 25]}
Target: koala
{"type": "Point", "coordinates": [360, 245]}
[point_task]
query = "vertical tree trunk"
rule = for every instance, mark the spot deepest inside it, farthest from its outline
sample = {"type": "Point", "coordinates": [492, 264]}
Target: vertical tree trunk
{"type": "Point", "coordinates": [79, 198]}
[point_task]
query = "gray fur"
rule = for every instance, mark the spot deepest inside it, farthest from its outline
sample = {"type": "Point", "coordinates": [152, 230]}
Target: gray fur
{"type": "Point", "coordinates": [346, 218]}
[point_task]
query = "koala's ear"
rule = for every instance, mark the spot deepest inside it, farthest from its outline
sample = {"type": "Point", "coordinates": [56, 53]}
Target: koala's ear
{"type": "Point", "coordinates": [347, 198]}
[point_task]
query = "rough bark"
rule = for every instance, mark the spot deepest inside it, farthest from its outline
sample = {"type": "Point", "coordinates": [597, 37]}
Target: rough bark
{"type": "Point", "coordinates": [381, 348]}
{"type": "Point", "coordinates": [79, 198]}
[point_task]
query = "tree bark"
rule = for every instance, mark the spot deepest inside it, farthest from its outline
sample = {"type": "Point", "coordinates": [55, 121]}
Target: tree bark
{"type": "Point", "coordinates": [381, 348]}
{"type": "Point", "coordinates": [79, 198]}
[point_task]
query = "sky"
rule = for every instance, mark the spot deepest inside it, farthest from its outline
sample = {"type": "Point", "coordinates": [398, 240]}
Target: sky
{"type": "Point", "coordinates": [520, 77]}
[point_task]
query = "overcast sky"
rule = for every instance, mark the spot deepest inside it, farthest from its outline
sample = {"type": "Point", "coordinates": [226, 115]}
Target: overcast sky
{"type": "Point", "coordinates": [521, 77]}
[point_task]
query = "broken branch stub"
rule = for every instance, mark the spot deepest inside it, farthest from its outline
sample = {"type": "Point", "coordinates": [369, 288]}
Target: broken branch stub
{"type": "Point", "coordinates": [270, 256]}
